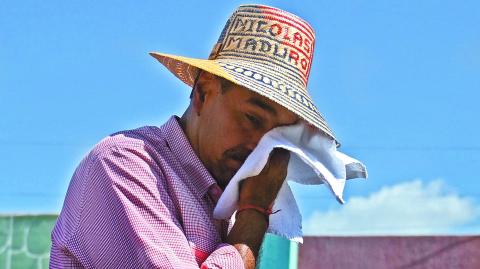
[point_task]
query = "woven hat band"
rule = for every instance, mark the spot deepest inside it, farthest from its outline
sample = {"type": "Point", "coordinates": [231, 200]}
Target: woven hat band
{"type": "Point", "coordinates": [267, 35]}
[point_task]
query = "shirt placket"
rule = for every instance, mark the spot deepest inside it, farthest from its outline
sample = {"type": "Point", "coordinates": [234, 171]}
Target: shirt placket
{"type": "Point", "coordinates": [214, 193]}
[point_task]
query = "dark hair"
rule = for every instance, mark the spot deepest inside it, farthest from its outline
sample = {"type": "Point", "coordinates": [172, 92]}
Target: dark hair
{"type": "Point", "coordinates": [225, 84]}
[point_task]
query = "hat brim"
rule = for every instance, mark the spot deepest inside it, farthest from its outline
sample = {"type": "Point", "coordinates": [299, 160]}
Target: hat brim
{"type": "Point", "coordinates": [254, 76]}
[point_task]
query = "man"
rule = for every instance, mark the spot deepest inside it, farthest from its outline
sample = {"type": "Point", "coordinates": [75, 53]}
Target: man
{"type": "Point", "coordinates": [144, 198]}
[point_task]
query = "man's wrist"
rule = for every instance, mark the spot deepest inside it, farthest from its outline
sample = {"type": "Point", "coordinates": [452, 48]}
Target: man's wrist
{"type": "Point", "coordinates": [265, 212]}
{"type": "Point", "coordinates": [251, 214]}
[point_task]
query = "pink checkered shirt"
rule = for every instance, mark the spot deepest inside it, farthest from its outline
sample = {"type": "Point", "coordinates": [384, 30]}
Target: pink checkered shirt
{"type": "Point", "coordinates": [141, 199]}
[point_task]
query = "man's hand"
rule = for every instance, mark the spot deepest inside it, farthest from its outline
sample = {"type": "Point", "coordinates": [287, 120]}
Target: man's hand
{"type": "Point", "coordinates": [261, 190]}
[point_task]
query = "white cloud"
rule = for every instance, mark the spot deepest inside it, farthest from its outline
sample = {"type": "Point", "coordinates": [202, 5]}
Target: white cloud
{"type": "Point", "coordinates": [407, 208]}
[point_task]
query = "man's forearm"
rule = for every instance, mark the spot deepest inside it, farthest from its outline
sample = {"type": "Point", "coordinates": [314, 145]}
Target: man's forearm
{"type": "Point", "coordinates": [247, 235]}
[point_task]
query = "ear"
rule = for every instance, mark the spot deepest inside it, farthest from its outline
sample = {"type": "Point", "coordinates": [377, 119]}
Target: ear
{"type": "Point", "coordinates": [207, 86]}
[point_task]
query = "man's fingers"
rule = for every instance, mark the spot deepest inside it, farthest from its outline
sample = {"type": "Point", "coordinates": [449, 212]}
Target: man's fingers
{"type": "Point", "coordinates": [262, 189]}
{"type": "Point", "coordinates": [279, 156]}
{"type": "Point", "coordinates": [277, 162]}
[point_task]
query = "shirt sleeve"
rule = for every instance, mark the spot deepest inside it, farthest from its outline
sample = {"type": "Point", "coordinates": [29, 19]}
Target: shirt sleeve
{"type": "Point", "coordinates": [125, 223]}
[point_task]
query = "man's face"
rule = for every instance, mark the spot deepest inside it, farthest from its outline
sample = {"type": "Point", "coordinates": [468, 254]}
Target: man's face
{"type": "Point", "coordinates": [231, 124]}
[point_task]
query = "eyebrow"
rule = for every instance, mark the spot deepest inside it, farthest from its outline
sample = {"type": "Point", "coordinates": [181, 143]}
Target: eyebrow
{"type": "Point", "coordinates": [262, 105]}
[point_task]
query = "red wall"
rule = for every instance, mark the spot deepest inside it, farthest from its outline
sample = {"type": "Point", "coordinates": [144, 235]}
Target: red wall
{"type": "Point", "coordinates": [434, 252]}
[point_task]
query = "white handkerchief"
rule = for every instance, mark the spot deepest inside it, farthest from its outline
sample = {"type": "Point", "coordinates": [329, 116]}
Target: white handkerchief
{"type": "Point", "coordinates": [314, 159]}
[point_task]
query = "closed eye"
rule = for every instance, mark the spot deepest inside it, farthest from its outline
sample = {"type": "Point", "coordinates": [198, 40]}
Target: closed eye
{"type": "Point", "coordinates": [254, 120]}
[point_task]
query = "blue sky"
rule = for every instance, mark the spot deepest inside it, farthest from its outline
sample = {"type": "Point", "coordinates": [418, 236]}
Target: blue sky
{"type": "Point", "coordinates": [398, 82]}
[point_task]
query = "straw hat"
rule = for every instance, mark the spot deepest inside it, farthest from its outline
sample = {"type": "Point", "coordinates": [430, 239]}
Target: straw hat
{"type": "Point", "coordinates": [266, 50]}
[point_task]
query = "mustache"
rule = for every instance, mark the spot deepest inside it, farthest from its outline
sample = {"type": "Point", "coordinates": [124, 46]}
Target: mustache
{"type": "Point", "coordinates": [238, 153]}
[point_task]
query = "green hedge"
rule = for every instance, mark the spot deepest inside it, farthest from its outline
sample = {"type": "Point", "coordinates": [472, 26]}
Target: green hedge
{"type": "Point", "coordinates": [25, 241]}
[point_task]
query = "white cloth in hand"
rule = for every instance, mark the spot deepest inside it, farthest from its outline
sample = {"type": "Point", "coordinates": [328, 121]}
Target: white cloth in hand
{"type": "Point", "coordinates": [314, 159]}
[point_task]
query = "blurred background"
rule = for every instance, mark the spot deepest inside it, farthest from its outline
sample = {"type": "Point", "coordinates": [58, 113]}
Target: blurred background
{"type": "Point", "coordinates": [398, 82]}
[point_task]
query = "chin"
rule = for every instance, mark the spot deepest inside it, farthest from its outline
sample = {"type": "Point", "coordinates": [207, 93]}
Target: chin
{"type": "Point", "coordinates": [224, 178]}
{"type": "Point", "coordinates": [225, 170]}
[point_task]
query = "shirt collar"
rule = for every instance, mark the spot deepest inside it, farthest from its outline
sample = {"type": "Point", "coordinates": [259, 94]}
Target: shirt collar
{"type": "Point", "coordinates": [184, 153]}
